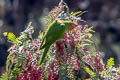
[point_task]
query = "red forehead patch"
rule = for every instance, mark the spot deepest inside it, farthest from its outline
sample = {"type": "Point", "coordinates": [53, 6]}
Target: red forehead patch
{"type": "Point", "coordinates": [72, 26]}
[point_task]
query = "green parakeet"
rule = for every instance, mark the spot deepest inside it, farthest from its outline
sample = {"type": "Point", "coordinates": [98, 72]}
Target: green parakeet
{"type": "Point", "coordinates": [53, 33]}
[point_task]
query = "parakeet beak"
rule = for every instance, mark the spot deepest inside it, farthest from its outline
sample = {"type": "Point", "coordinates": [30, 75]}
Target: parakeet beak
{"type": "Point", "coordinates": [73, 26]}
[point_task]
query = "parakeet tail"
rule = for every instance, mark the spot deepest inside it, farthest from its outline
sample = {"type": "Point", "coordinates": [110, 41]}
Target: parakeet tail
{"type": "Point", "coordinates": [44, 54]}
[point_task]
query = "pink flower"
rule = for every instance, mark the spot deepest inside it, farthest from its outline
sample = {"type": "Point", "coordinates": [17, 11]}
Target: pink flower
{"type": "Point", "coordinates": [77, 34]}
{"type": "Point", "coordinates": [95, 61]}
{"type": "Point", "coordinates": [60, 50]}
{"type": "Point", "coordinates": [49, 77]}
{"type": "Point", "coordinates": [98, 63]}
{"type": "Point", "coordinates": [69, 39]}
{"type": "Point", "coordinates": [28, 55]}
{"type": "Point", "coordinates": [35, 45]}
{"type": "Point", "coordinates": [117, 77]}
{"type": "Point", "coordinates": [53, 77]}
{"type": "Point", "coordinates": [75, 64]}
{"type": "Point", "coordinates": [32, 73]}
{"type": "Point", "coordinates": [22, 76]}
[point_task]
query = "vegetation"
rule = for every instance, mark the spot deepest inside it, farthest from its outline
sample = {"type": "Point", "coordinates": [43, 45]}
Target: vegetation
{"type": "Point", "coordinates": [67, 59]}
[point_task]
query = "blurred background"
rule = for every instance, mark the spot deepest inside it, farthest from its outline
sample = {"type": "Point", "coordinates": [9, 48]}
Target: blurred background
{"type": "Point", "coordinates": [103, 15]}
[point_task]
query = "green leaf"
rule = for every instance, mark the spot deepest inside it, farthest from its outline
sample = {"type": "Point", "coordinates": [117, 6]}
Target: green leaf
{"type": "Point", "coordinates": [103, 73]}
{"type": "Point", "coordinates": [87, 40]}
{"type": "Point", "coordinates": [93, 53]}
{"type": "Point", "coordinates": [110, 63]}
{"type": "Point", "coordinates": [75, 13]}
{"type": "Point", "coordinates": [40, 36]}
{"type": "Point", "coordinates": [90, 29]}
{"type": "Point", "coordinates": [4, 76]}
{"type": "Point", "coordinates": [11, 37]}
{"type": "Point", "coordinates": [90, 35]}
{"type": "Point", "coordinates": [118, 70]}
{"type": "Point", "coordinates": [90, 72]}
{"type": "Point", "coordinates": [30, 23]}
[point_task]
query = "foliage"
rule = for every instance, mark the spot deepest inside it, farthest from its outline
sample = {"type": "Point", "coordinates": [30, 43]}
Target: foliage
{"type": "Point", "coordinates": [67, 59]}
{"type": "Point", "coordinates": [91, 73]}
{"type": "Point", "coordinates": [4, 76]}
{"type": "Point", "coordinates": [110, 63]}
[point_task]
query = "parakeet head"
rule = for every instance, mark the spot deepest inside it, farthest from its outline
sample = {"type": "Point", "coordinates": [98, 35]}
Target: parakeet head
{"type": "Point", "coordinates": [69, 25]}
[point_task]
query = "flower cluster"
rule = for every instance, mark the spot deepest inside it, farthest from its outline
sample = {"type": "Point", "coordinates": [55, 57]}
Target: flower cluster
{"type": "Point", "coordinates": [32, 72]}
{"type": "Point", "coordinates": [56, 12]}
{"type": "Point", "coordinates": [98, 63]}
{"type": "Point", "coordinates": [52, 70]}
{"type": "Point", "coordinates": [95, 62]}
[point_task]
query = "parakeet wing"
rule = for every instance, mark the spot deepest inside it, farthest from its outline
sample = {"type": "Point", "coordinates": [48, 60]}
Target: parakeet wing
{"type": "Point", "coordinates": [54, 31]}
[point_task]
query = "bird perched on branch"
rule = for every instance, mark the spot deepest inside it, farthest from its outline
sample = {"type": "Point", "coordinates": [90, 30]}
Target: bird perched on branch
{"type": "Point", "coordinates": [53, 33]}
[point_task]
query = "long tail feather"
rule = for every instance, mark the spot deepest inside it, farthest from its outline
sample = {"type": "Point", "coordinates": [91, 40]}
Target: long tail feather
{"type": "Point", "coordinates": [44, 54]}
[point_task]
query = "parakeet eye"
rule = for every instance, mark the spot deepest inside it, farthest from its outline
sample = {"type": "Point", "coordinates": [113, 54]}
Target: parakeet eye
{"type": "Point", "coordinates": [62, 24]}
